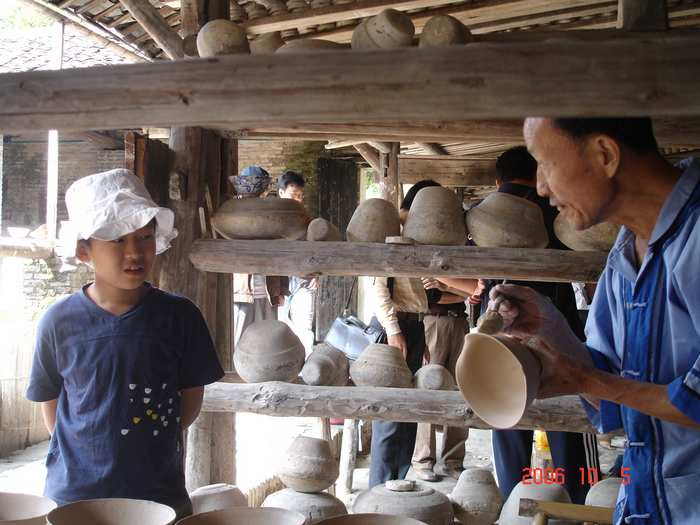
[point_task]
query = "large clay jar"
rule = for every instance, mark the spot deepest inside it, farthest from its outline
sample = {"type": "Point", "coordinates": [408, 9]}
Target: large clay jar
{"type": "Point", "coordinates": [111, 511]}
{"type": "Point", "coordinates": [604, 493]}
{"type": "Point", "coordinates": [387, 30]}
{"type": "Point", "coordinates": [268, 351]}
{"type": "Point", "coordinates": [310, 45]}
{"type": "Point", "coordinates": [406, 498]}
{"type": "Point", "coordinates": [221, 37]}
{"type": "Point", "coordinates": [599, 238]}
{"type": "Point", "coordinates": [370, 519]}
{"type": "Point", "coordinates": [322, 230]}
{"type": "Point", "coordinates": [243, 516]}
{"type": "Point", "coordinates": [24, 509]}
{"type": "Point", "coordinates": [436, 217]}
{"type": "Point", "coordinates": [476, 499]}
{"type": "Point", "coordinates": [326, 366]}
{"type": "Point", "coordinates": [373, 221]}
{"type": "Point", "coordinates": [542, 492]}
{"type": "Point", "coordinates": [434, 377]}
{"type": "Point", "coordinates": [308, 465]}
{"type": "Point", "coordinates": [217, 497]}
{"type": "Point", "coordinates": [266, 44]}
{"type": "Point", "coordinates": [498, 377]}
{"type": "Point", "coordinates": [444, 30]}
{"type": "Point", "coordinates": [381, 365]}
{"type": "Point", "coordinates": [315, 507]}
{"type": "Point", "coordinates": [259, 218]}
{"type": "Point", "coordinates": [503, 220]}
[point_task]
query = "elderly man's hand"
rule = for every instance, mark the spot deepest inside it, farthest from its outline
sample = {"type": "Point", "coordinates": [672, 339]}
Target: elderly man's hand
{"type": "Point", "coordinates": [562, 374]}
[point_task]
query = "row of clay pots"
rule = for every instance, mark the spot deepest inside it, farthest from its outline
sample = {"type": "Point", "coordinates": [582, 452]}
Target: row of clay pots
{"type": "Point", "coordinates": [326, 366]}
{"type": "Point", "coordinates": [315, 507]}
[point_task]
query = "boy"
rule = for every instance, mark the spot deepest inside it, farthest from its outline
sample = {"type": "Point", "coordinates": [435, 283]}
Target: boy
{"type": "Point", "coordinates": [119, 366]}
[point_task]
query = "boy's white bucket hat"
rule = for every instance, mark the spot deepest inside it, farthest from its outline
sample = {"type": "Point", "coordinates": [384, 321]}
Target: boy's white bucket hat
{"type": "Point", "coordinates": [112, 204]}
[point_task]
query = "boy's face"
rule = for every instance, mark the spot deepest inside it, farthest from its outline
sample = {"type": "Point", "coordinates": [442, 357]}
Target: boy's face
{"type": "Point", "coordinates": [125, 262]}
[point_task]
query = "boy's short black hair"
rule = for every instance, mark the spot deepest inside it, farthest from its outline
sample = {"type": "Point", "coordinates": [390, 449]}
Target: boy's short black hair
{"type": "Point", "coordinates": [636, 133]}
{"type": "Point", "coordinates": [290, 177]}
{"type": "Point", "coordinates": [411, 194]}
{"type": "Point", "coordinates": [516, 163]}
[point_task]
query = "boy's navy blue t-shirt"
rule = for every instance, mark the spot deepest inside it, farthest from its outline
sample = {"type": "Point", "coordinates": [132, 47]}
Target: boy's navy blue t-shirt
{"type": "Point", "coordinates": [117, 379]}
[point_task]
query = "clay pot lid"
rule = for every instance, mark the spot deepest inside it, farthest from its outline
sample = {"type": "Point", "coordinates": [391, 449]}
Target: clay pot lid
{"type": "Point", "coordinates": [400, 485]}
{"type": "Point", "coordinates": [403, 488]}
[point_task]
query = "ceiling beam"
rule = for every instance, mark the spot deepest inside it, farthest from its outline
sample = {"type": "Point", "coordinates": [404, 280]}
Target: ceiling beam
{"type": "Point", "coordinates": [642, 15]}
{"type": "Point", "coordinates": [155, 25]}
{"type": "Point", "coordinates": [370, 155]}
{"type": "Point", "coordinates": [431, 148]}
{"type": "Point", "coordinates": [448, 170]}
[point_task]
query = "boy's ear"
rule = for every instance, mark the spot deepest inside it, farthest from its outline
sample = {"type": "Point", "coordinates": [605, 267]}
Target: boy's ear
{"type": "Point", "coordinates": [82, 251]}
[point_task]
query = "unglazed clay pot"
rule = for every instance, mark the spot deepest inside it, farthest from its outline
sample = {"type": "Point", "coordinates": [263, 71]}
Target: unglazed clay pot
{"type": "Point", "coordinates": [244, 516]}
{"type": "Point", "coordinates": [434, 377]}
{"type": "Point", "coordinates": [541, 492]}
{"type": "Point", "coordinates": [266, 44]}
{"type": "Point", "coordinates": [269, 351]}
{"type": "Point", "coordinates": [436, 217]}
{"type": "Point", "coordinates": [111, 511]}
{"type": "Point", "coordinates": [442, 31]}
{"type": "Point", "coordinates": [24, 509]}
{"type": "Point", "coordinates": [373, 221]}
{"type": "Point", "coordinates": [599, 238]}
{"type": "Point", "coordinates": [476, 499]}
{"type": "Point", "coordinates": [326, 366]}
{"type": "Point", "coordinates": [604, 493]}
{"type": "Point", "coordinates": [256, 218]}
{"type": "Point", "coordinates": [217, 497]}
{"type": "Point", "coordinates": [498, 377]}
{"type": "Point", "coordinates": [322, 230]}
{"type": "Point", "coordinates": [370, 519]}
{"type": "Point", "coordinates": [310, 45]}
{"type": "Point", "coordinates": [503, 220]}
{"type": "Point", "coordinates": [308, 465]}
{"type": "Point", "coordinates": [387, 30]}
{"type": "Point", "coordinates": [221, 37]}
{"type": "Point", "coordinates": [381, 365]}
{"type": "Point", "coordinates": [315, 507]}
{"type": "Point", "coordinates": [406, 498]}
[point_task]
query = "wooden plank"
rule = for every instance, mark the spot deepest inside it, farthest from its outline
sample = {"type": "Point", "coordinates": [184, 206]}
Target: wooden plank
{"type": "Point", "coordinates": [24, 248]}
{"type": "Point", "coordinates": [566, 511]}
{"type": "Point", "coordinates": [386, 404]}
{"type": "Point", "coordinates": [348, 455]}
{"type": "Point", "coordinates": [432, 148]}
{"type": "Point", "coordinates": [370, 155]}
{"type": "Point", "coordinates": [447, 170]}
{"type": "Point", "coordinates": [155, 25]}
{"type": "Point", "coordinates": [642, 15]}
{"type": "Point", "coordinates": [353, 258]}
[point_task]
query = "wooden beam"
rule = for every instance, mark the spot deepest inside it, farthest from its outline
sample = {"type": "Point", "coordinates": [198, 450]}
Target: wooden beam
{"type": "Point", "coordinates": [155, 25]}
{"type": "Point", "coordinates": [431, 148]}
{"type": "Point", "coordinates": [386, 404]}
{"type": "Point", "coordinates": [642, 15]}
{"type": "Point", "coordinates": [338, 144]}
{"type": "Point", "coordinates": [25, 248]}
{"type": "Point", "coordinates": [353, 258]}
{"type": "Point", "coordinates": [448, 170]}
{"type": "Point", "coordinates": [566, 511]}
{"type": "Point", "coordinates": [348, 455]}
{"type": "Point", "coordinates": [381, 147]}
{"type": "Point", "coordinates": [370, 155]}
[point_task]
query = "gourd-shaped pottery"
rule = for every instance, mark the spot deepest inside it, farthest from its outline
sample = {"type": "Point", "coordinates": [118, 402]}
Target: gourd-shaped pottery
{"type": "Point", "coordinates": [244, 516]}
{"type": "Point", "coordinates": [373, 221]}
{"type": "Point", "coordinates": [476, 499]}
{"type": "Point", "coordinates": [442, 31]}
{"type": "Point", "coordinates": [406, 498]}
{"type": "Point", "coordinates": [502, 220]}
{"type": "Point", "coordinates": [315, 507]}
{"type": "Point", "coordinates": [257, 218]}
{"type": "Point", "coordinates": [322, 230]}
{"type": "Point", "coordinates": [217, 497]}
{"type": "Point", "coordinates": [266, 44]}
{"type": "Point", "coordinates": [326, 366]}
{"type": "Point", "coordinates": [604, 493]}
{"type": "Point", "coordinates": [111, 511]}
{"type": "Point", "coordinates": [381, 365]}
{"type": "Point", "coordinates": [221, 37]}
{"type": "Point", "coordinates": [599, 237]}
{"type": "Point", "coordinates": [434, 377]}
{"type": "Point", "coordinates": [24, 509]}
{"type": "Point", "coordinates": [542, 492]}
{"type": "Point", "coordinates": [307, 45]}
{"type": "Point", "coordinates": [308, 465]}
{"type": "Point", "coordinates": [268, 351]}
{"type": "Point", "coordinates": [370, 519]}
{"type": "Point", "coordinates": [436, 217]}
{"type": "Point", "coordinates": [498, 377]}
{"type": "Point", "coordinates": [387, 30]}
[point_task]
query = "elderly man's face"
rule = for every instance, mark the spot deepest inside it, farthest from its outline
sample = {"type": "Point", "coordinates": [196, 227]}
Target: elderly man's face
{"type": "Point", "coordinates": [292, 191]}
{"type": "Point", "coordinates": [576, 175]}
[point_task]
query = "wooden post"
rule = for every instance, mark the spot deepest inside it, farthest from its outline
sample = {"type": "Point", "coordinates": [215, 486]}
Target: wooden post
{"type": "Point", "coordinates": [642, 15]}
{"type": "Point", "coordinates": [348, 456]}
{"type": "Point", "coordinates": [52, 153]}
{"type": "Point", "coordinates": [156, 26]}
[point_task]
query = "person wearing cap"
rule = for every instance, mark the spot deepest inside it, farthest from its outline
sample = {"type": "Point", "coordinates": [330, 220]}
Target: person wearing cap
{"type": "Point", "coordinates": [120, 366]}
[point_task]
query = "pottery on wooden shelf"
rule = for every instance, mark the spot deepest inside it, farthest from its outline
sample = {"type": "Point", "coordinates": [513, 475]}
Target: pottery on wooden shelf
{"type": "Point", "coordinates": [599, 238]}
{"type": "Point", "coordinates": [387, 30]}
{"type": "Point", "coordinates": [221, 37]}
{"type": "Point", "coordinates": [322, 230]}
{"type": "Point", "coordinates": [541, 492]}
{"type": "Point", "coordinates": [434, 377]}
{"type": "Point", "coordinates": [373, 221]}
{"type": "Point", "coordinates": [111, 511]}
{"type": "Point", "coordinates": [406, 498]}
{"type": "Point", "coordinates": [261, 218]}
{"type": "Point", "coordinates": [269, 351]}
{"type": "Point", "coordinates": [266, 44]}
{"type": "Point", "coordinates": [503, 220]}
{"type": "Point", "coordinates": [310, 45]}
{"type": "Point", "coordinates": [476, 499]}
{"type": "Point", "coordinates": [498, 377]}
{"type": "Point", "coordinates": [315, 507]}
{"type": "Point", "coordinates": [442, 31]}
{"type": "Point", "coordinates": [308, 465]}
{"type": "Point", "coordinates": [604, 493]}
{"type": "Point", "coordinates": [381, 365]}
{"type": "Point", "coordinates": [436, 217]}
{"type": "Point", "coordinates": [326, 366]}
{"type": "Point", "coordinates": [245, 516]}
{"type": "Point", "coordinates": [24, 509]}
{"type": "Point", "coordinates": [217, 497]}
{"type": "Point", "coordinates": [370, 519]}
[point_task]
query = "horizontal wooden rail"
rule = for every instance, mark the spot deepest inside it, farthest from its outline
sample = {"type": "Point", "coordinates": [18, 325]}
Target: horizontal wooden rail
{"type": "Point", "coordinates": [25, 248]}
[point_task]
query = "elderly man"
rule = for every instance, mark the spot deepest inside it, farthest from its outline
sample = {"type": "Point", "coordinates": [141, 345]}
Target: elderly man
{"type": "Point", "coordinates": [639, 367]}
